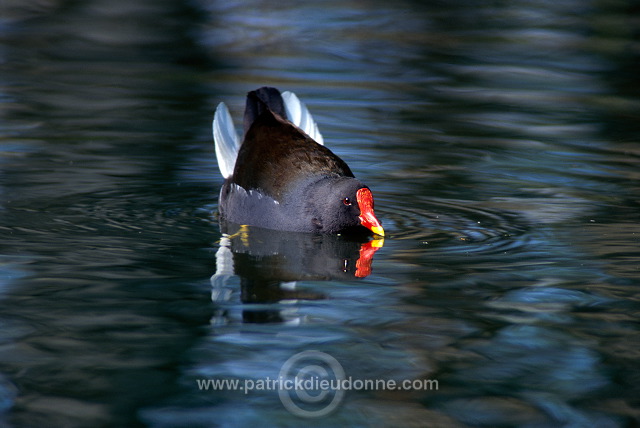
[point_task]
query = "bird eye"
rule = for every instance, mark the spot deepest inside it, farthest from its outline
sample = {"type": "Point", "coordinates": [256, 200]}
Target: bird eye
{"type": "Point", "coordinates": [346, 201]}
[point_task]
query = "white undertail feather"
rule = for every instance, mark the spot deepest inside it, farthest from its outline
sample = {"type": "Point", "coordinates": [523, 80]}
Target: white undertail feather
{"type": "Point", "coordinates": [299, 115]}
{"type": "Point", "coordinates": [227, 141]}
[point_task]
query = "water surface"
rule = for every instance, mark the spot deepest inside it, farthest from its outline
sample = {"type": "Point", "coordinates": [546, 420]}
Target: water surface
{"type": "Point", "coordinates": [499, 139]}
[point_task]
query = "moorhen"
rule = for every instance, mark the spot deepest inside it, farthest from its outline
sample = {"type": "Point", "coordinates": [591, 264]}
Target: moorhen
{"type": "Point", "coordinates": [282, 176]}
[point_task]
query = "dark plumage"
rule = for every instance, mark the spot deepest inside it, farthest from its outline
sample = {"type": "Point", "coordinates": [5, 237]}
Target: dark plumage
{"type": "Point", "coordinates": [283, 179]}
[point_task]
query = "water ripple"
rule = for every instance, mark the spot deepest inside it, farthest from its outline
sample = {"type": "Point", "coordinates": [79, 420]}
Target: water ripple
{"type": "Point", "coordinates": [448, 219]}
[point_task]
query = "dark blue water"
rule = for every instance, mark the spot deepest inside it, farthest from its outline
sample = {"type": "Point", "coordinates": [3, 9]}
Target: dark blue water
{"type": "Point", "coordinates": [500, 140]}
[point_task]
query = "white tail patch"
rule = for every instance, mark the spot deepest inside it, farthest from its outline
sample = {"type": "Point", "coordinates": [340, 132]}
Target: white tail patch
{"type": "Point", "coordinates": [226, 140]}
{"type": "Point", "coordinates": [299, 115]}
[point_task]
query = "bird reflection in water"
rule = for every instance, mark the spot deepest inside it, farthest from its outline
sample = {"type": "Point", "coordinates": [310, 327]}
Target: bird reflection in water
{"type": "Point", "coordinates": [269, 263]}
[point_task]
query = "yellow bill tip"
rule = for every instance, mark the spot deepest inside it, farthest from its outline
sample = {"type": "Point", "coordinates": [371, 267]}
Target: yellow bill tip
{"type": "Point", "coordinates": [378, 230]}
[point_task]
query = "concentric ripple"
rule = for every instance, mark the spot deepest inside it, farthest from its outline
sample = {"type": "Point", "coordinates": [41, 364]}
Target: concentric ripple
{"type": "Point", "coordinates": [437, 220]}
